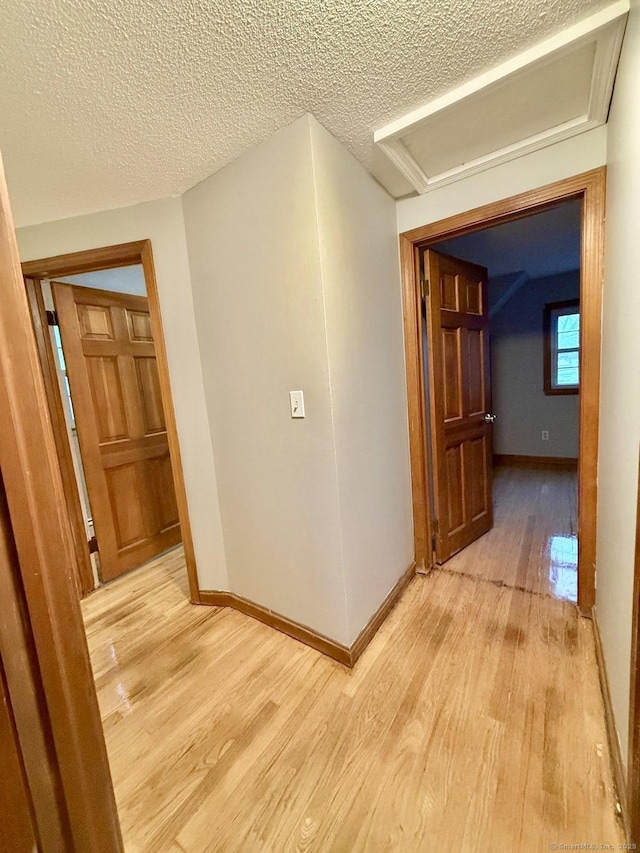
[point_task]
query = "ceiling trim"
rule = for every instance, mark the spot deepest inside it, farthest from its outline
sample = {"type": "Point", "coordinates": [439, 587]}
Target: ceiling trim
{"type": "Point", "coordinates": [605, 29]}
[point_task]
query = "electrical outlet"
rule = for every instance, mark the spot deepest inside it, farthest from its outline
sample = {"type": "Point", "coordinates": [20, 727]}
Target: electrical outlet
{"type": "Point", "coordinates": [545, 435]}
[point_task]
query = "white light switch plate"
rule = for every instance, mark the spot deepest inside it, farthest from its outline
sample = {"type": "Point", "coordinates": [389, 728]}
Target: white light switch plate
{"type": "Point", "coordinates": [296, 399]}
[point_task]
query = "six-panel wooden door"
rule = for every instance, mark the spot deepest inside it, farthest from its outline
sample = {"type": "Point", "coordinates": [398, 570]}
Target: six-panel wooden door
{"type": "Point", "coordinates": [111, 364]}
{"type": "Point", "coordinates": [460, 394]}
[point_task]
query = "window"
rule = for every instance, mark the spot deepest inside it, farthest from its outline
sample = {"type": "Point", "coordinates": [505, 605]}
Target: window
{"type": "Point", "coordinates": [63, 371]}
{"type": "Point", "coordinates": [562, 347]}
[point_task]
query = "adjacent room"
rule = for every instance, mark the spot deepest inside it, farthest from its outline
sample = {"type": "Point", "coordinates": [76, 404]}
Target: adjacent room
{"type": "Point", "coordinates": [533, 267]}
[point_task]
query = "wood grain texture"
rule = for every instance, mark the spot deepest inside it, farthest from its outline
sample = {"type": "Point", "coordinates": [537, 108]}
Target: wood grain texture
{"type": "Point", "coordinates": [414, 347]}
{"type": "Point", "coordinates": [347, 655]}
{"type": "Point", "coordinates": [303, 633]}
{"type": "Point", "coordinates": [472, 722]}
{"type": "Point", "coordinates": [374, 624]}
{"type": "Point", "coordinates": [84, 573]}
{"type": "Point", "coordinates": [113, 373]}
{"type": "Point", "coordinates": [127, 254]}
{"type": "Point", "coordinates": [44, 549]}
{"type": "Point", "coordinates": [533, 544]}
{"type": "Point", "coordinates": [617, 762]}
{"type": "Point", "coordinates": [19, 832]}
{"type": "Point", "coordinates": [459, 382]}
{"type": "Point", "coordinates": [26, 708]}
{"type": "Point", "coordinates": [590, 187]}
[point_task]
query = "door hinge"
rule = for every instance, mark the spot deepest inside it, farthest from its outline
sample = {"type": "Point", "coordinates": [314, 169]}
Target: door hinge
{"type": "Point", "coordinates": [435, 527]}
{"type": "Point", "coordinates": [424, 285]}
{"type": "Point", "coordinates": [93, 545]}
{"type": "Point", "coordinates": [52, 318]}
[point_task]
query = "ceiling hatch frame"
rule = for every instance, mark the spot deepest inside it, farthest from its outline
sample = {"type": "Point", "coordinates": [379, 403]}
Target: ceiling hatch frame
{"type": "Point", "coordinates": [604, 30]}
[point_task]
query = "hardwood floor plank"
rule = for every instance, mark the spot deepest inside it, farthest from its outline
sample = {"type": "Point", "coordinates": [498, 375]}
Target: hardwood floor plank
{"type": "Point", "coordinates": [472, 722]}
{"type": "Point", "coordinates": [533, 543]}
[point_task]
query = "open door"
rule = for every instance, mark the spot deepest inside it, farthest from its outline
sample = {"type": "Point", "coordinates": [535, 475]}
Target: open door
{"type": "Point", "coordinates": [459, 383]}
{"type": "Point", "coordinates": [111, 364]}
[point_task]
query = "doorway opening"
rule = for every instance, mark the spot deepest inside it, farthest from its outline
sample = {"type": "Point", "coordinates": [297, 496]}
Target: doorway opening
{"type": "Point", "coordinates": [97, 321]}
{"type": "Point", "coordinates": [527, 399]}
{"type": "Point", "coordinates": [447, 334]}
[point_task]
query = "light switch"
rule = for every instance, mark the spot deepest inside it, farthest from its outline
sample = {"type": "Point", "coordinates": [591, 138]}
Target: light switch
{"type": "Point", "coordinates": [296, 398]}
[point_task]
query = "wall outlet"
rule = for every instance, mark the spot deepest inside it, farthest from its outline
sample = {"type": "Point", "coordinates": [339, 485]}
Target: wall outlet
{"type": "Point", "coordinates": [545, 435]}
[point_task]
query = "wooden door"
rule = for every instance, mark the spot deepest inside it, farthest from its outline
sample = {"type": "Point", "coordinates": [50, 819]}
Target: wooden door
{"type": "Point", "coordinates": [43, 648]}
{"type": "Point", "coordinates": [31, 812]}
{"type": "Point", "coordinates": [460, 395]}
{"type": "Point", "coordinates": [18, 827]}
{"type": "Point", "coordinates": [111, 364]}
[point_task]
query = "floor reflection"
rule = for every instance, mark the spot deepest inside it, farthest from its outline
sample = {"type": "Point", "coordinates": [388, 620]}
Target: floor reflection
{"type": "Point", "coordinates": [563, 567]}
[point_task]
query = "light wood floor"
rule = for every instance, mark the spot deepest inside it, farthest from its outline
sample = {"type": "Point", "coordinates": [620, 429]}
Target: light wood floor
{"type": "Point", "coordinates": [533, 544]}
{"type": "Point", "coordinates": [473, 722]}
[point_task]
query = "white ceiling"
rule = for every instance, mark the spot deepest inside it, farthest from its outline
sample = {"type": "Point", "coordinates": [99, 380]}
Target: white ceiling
{"type": "Point", "coordinates": [109, 104]}
{"type": "Point", "coordinates": [118, 280]}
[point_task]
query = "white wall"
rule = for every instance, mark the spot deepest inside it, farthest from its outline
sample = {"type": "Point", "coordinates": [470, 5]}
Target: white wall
{"type": "Point", "coordinates": [519, 401]}
{"type": "Point", "coordinates": [257, 290]}
{"type": "Point", "coordinates": [620, 389]}
{"type": "Point", "coordinates": [562, 160]}
{"type": "Point", "coordinates": [161, 222]}
{"type": "Point", "coordinates": [362, 299]}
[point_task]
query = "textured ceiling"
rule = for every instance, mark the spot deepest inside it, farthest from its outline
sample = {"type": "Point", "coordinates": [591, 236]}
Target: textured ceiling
{"type": "Point", "coordinates": [105, 104]}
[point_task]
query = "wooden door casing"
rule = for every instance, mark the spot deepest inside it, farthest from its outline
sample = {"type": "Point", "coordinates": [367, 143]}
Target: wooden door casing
{"type": "Point", "coordinates": [460, 395]}
{"type": "Point", "coordinates": [41, 330]}
{"type": "Point", "coordinates": [31, 807]}
{"type": "Point", "coordinates": [42, 640]}
{"type": "Point", "coordinates": [113, 374]}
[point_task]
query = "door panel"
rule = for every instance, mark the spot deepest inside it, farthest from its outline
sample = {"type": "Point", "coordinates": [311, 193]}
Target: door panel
{"type": "Point", "coordinates": [18, 828]}
{"type": "Point", "coordinates": [150, 395]}
{"type": "Point", "coordinates": [113, 373]}
{"type": "Point", "coordinates": [475, 372]}
{"type": "Point", "coordinates": [31, 807]}
{"type": "Point", "coordinates": [452, 374]}
{"type": "Point", "coordinates": [460, 393]}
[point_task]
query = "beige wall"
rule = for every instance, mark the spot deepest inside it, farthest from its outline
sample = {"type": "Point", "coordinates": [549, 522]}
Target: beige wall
{"type": "Point", "coordinates": [570, 157]}
{"type": "Point", "coordinates": [517, 389]}
{"type": "Point", "coordinates": [361, 289]}
{"type": "Point", "coordinates": [294, 262]}
{"type": "Point", "coordinates": [620, 394]}
{"type": "Point", "coordinates": [162, 222]}
{"type": "Point", "coordinates": [257, 290]}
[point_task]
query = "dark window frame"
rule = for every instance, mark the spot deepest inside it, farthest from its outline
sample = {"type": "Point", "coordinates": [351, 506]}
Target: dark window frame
{"type": "Point", "coordinates": [549, 332]}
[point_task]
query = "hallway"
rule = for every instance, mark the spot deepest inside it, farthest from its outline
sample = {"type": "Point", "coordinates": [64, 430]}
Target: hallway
{"type": "Point", "coordinates": [473, 722]}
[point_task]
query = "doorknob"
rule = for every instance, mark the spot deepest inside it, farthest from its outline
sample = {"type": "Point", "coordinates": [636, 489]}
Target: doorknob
{"type": "Point", "coordinates": [490, 418]}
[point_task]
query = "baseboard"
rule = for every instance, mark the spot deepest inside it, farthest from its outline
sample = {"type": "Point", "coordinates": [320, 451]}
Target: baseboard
{"type": "Point", "coordinates": [274, 620]}
{"type": "Point", "coordinates": [619, 777]}
{"type": "Point", "coordinates": [346, 655]}
{"type": "Point", "coordinates": [371, 628]}
{"type": "Point", "coordinates": [564, 462]}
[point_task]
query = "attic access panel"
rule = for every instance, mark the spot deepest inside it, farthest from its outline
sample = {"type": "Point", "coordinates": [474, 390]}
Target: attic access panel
{"type": "Point", "coordinates": [555, 90]}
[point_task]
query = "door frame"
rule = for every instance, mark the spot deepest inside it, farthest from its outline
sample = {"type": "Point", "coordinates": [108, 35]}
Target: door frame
{"type": "Point", "coordinates": [110, 257]}
{"type": "Point", "coordinates": [51, 613]}
{"type": "Point", "coordinates": [84, 571]}
{"type": "Point", "coordinates": [590, 187]}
